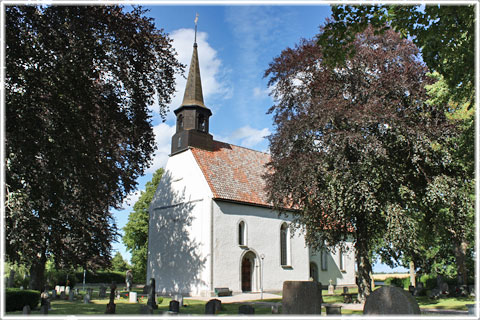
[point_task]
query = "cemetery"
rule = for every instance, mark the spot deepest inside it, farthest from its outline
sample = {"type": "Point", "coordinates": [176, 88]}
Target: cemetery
{"type": "Point", "coordinates": [99, 299]}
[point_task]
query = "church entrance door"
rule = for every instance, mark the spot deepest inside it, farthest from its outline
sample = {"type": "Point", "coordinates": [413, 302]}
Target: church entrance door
{"type": "Point", "coordinates": [247, 272]}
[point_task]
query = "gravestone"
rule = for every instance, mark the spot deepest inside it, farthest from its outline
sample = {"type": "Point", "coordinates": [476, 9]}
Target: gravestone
{"type": "Point", "coordinates": [86, 298]}
{"type": "Point", "coordinates": [151, 297]}
{"type": "Point", "coordinates": [174, 306]}
{"type": "Point", "coordinates": [330, 287]}
{"type": "Point", "coordinates": [62, 295]}
{"type": "Point", "coordinates": [418, 289]}
{"type": "Point", "coordinates": [179, 298]}
{"type": "Point", "coordinates": [444, 288]}
{"type": "Point", "coordinates": [76, 291]}
{"type": "Point", "coordinates": [54, 294]}
{"type": "Point", "coordinates": [213, 306]}
{"type": "Point", "coordinates": [390, 300]}
{"type": "Point", "coordinates": [333, 309]}
{"type": "Point", "coordinates": [345, 290]}
{"type": "Point", "coordinates": [57, 289]}
{"type": "Point", "coordinates": [435, 293]}
{"type": "Point", "coordinates": [411, 289]}
{"type": "Point", "coordinates": [302, 297]}
{"type": "Point", "coordinates": [26, 309]}
{"type": "Point", "coordinates": [129, 280]}
{"type": "Point", "coordinates": [44, 309]}
{"type": "Point", "coordinates": [132, 297]}
{"type": "Point", "coordinates": [117, 294]}
{"type": "Point", "coordinates": [246, 309]}
{"type": "Point", "coordinates": [71, 296]}
{"type": "Point", "coordinates": [62, 288]}
{"type": "Point", "coordinates": [471, 289]}
{"type": "Point", "coordinates": [102, 292]}
{"type": "Point", "coordinates": [90, 292]}
{"type": "Point", "coordinates": [275, 309]}
{"type": "Point", "coordinates": [111, 304]}
{"type": "Point", "coordinates": [67, 290]}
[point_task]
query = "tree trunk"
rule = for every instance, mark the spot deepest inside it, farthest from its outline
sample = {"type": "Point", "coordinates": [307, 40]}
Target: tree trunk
{"type": "Point", "coordinates": [364, 269]}
{"type": "Point", "coordinates": [460, 257]}
{"type": "Point", "coordinates": [412, 274]}
{"type": "Point", "coordinates": [37, 274]}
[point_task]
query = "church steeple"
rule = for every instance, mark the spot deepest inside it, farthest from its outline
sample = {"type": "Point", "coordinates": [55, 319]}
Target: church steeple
{"type": "Point", "coordinates": [192, 115]}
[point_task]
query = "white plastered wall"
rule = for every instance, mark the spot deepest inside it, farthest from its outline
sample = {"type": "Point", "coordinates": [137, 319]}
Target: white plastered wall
{"type": "Point", "coordinates": [262, 237]}
{"type": "Point", "coordinates": [179, 229]}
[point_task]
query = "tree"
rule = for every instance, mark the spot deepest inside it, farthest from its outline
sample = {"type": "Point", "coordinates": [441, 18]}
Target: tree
{"type": "Point", "coordinates": [78, 131]}
{"type": "Point", "coordinates": [444, 33]}
{"type": "Point", "coordinates": [136, 229]}
{"type": "Point", "coordinates": [119, 264]}
{"type": "Point", "coordinates": [353, 145]}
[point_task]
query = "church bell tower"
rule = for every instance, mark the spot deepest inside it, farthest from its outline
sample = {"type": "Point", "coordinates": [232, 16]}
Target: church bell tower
{"type": "Point", "coordinates": [192, 116]}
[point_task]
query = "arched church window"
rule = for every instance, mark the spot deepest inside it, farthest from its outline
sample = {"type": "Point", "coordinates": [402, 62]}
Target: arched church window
{"type": "Point", "coordinates": [341, 260]}
{"type": "Point", "coordinates": [202, 123]}
{"type": "Point", "coordinates": [242, 234]}
{"type": "Point", "coordinates": [180, 123]}
{"type": "Point", "coordinates": [323, 260]}
{"type": "Point", "coordinates": [284, 258]}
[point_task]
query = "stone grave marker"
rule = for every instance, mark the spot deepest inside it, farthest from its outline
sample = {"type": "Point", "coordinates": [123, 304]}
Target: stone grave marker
{"type": "Point", "coordinates": [151, 297]}
{"type": "Point", "coordinates": [62, 295]}
{"type": "Point", "coordinates": [345, 290]}
{"type": "Point", "coordinates": [418, 289]}
{"type": "Point", "coordinates": [102, 292]}
{"type": "Point", "coordinates": [44, 309]}
{"type": "Point", "coordinates": [246, 309]}
{"type": "Point", "coordinates": [71, 296]}
{"type": "Point", "coordinates": [62, 288]}
{"type": "Point", "coordinates": [57, 289]}
{"type": "Point", "coordinates": [330, 287]}
{"type": "Point", "coordinates": [132, 297]}
{"type": "Point", "coordinates": [86, 298]}
{"type": "Point", "coordinates": [275, 309]}
{"type": "Point", "coordinates": [111, 304]}
{"type": "Point", "coordinates": [129, 280]}
{"type": "Point", "coordinates": [179, 298]}
{"type": "Point", "coordinates": [302, 297]}
{"type": "Point", "coordinates": [174, 306]}
{"type": "Point", "coordinates": [26, 309]}
{"type": "Point", "coordinates": [11, 279]}
{"type": "Point", "coordinates": [435, 293]}
{"type": "Point", "coordinates": [390, 300]}
{"type": "Point", "coordinates": [67, 290]}
{"type": "Point", "coordinates": [213, 306]}
{"type": "Point", "coordinates": [411, 289]}
{"type": "Point", "coordinates": [146, 289]}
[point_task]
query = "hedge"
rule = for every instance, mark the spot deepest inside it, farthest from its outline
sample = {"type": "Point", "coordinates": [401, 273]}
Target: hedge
{"type": "Point", "coordinates": [16, 299]}
{"type": "Point", "coordinates": [101, 277]}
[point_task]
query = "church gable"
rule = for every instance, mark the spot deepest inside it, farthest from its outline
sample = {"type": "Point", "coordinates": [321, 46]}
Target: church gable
{"type": "Point", "coordinates": [234, 173]}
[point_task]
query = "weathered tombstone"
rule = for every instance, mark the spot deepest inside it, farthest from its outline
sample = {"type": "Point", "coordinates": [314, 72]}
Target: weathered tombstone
{"type": "Point", "coordinates": [345, 290]}
{"type": "Point", "coordinates": [213, 306]}
{"type": "Point", "coordinates": [102, 293]}
{"type": "Point", "coordinates": [471, 289]}
{"type": "Point", "coordinates": [54, 294]}
{"type": "Point", "coordinates": [302, 297]}
{"type": "Point", "coordinates": [76, 291]}
{"type": "Point", "coordinates": [330, 287]}
{"type": "Point", "coordinates": [67, 290]}
{"type": "Point", "coordinates": [179, 298]}
{"type": "Point", "coordinates": [174, 306]}
{"type": "Point", "coordinates": [62, 295]}
{"type": "Point", "coordinates": [111, 304]}
{"type": "Point", "coordinates": [44, 309]}
{"type": "Point", "coordinates": [390, 300]}
{"type": "Point", "coordinates": [86, 298]}
{"type": "Point", "coordinates": [246, 309]}
{"type": "Point", "coordinates": [411, 289]}
{"type": "Point", "coordinates": [132, 297]}
{"type": "Point", "coordinates": [26, 309]}
{"type": "Point", "coordinates": [444, 288]}
{"type": "Point", "coordinates": [129, 280]}
{"type": "Point", "coordinates": [419, 289]}
{"type": "Point", "coordinates": [71, 296]}
{"type": "Point", "coordinates": [275, 309]}
{"type": "Point", "coordinates": [333, 309]}
{"type": "Point", "coordinates": [151, 298]}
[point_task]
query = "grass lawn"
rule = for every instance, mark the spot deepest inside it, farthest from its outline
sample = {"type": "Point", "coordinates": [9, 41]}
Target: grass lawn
{"type": "Point", "coordinates": [445, 303]}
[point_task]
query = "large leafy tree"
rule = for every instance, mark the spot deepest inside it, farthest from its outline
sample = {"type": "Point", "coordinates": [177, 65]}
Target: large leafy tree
{"type": "Point", "coordinates": [353, 146]}
{"type": "Point", "coordinates": [78, 82]}
{"type": "Point", "coordinates": [445, 35]}
{"type": "Point", "coordinates": [136, 229]}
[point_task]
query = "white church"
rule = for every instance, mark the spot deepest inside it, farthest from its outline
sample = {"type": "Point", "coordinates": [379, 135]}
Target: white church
{"type": "Point", "coordinates": [211, 225]}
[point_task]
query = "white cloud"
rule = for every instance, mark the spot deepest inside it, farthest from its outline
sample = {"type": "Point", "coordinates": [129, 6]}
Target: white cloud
{"type": "Point", "coordinates": [163, 136]}
{"type": "Point", "coordinates": [247, 136]}
{"type": "Point", "coordinates": [211, 68]}
{"type": "Point", "coordinates": [130, 199]}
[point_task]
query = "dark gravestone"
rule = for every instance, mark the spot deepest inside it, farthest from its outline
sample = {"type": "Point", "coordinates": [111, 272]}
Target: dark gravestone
{"type": "Point", "coordinates": [63, 296]}
{"type": "Point", "coordinates": [26, 309]}
{"type": "Point", "coordinates": [174, 306]}
{"type": "Point", "coordinates": [302, 297]}
{"type": "Point", "coordinates": [345, 290]}
{"type": "Point", "coordinates": [213, 306]}
{"type": "Point", "coordinates": [111, 304]}
{"type": "Point", "coordinates": [151, 297]}
{"type": "Point", "coordinates": [102, 293]}
{"type": "Point", "coordinates": [390, 300]}
{"type": "Point", "coordinates": [246, 309]}
{"type": "Point", "coordinates": [44, 309]}
{"type": "Point", "coordinates": [411, 289]}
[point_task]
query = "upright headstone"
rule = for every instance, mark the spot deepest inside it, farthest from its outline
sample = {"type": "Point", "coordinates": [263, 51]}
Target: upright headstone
{"type": "Point", "coordinates": [90, 292]}
{"type": "Point", "coordinates": [111, 304]}
{"type": "Point", "coordinates": [54, 294]}
{"type": "Point", "coordinates": [246, 309]}
{"type": "Point", "coordinates": [86, 298]}
{"type": "Point", "coordinates": [102, 293]}
{"type": "Point", "coordinates": [213, 306]}
{"type": "Point", "coordinates": [411, 289]}
{"type": "Point", "coordinates": [62, 288]}
{"type": "Point", "coordinates": [302, 297]}
{"type": "Point", "coordinates": [57, 289]}
{"type": "Point", "coordinates": [418, 289]}
{"type": "Point", "coordinates": [26, 309]}
{"type": "Point", "coordinates": [44, 309]}
{"type": "Point", "coordinates": [444, 288]}
{"type": "Point", "coordinates": [62, 295]}
{"type": "Point", "coordinates": [71, 296]}
{"type": "Point", "coordinates": [129, 280]}
{"type": "Point", "coordinates": [275, 309]}
{"type": "Point", "coordinates": [390, 300]}
{"type": "Point", "coordinates": [151, 297]}
{"type": "Point", "coordinates": [67, 290]}
{"type": "Point", "coordinates": [179, 298]}
{"type": "Point", "coordinates": [132, 297]}
{"type": "Point", "coordinates": [174, 306]}
{"type": "Point", "coordinates": [345, 290]}
{"type": "Point", "coordinates": [330, 287]}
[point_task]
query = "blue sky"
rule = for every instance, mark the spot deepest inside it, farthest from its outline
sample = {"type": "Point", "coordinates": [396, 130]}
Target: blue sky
{"type": "Point", "coordinates": [235, 46]}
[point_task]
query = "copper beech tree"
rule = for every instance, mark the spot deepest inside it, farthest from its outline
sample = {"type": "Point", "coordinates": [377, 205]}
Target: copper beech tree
{"type": "Point", "coordinates": [353, 145]}
{"type": "Point", "coordinates": [78, 83]}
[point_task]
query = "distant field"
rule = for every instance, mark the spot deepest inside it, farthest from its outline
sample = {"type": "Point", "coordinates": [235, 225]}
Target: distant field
{"type": "Point", "coordinates": [383, 276]}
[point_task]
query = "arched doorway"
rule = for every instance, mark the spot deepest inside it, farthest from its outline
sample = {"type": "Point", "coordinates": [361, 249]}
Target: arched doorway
{"type": "Point", "coordinates": [248, 267]}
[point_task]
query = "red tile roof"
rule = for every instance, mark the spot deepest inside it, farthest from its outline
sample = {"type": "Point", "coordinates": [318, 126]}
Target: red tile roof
{"type": "Point", "coordinates": [234, 173]}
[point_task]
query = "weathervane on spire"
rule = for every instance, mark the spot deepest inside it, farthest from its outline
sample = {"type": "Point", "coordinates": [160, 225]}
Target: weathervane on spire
{"type": "Point", "coordinates": [196, 20]}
